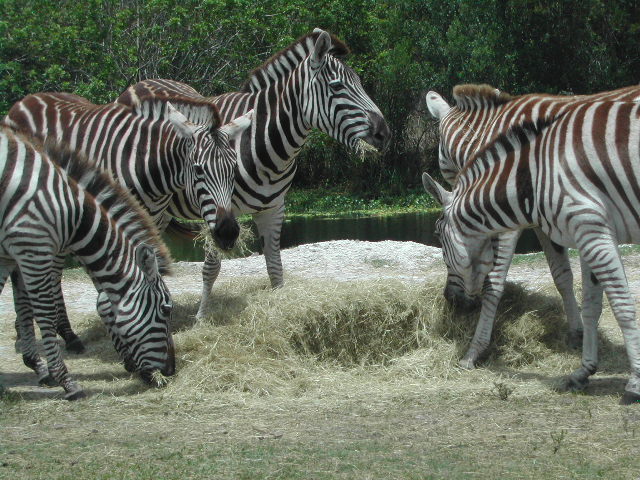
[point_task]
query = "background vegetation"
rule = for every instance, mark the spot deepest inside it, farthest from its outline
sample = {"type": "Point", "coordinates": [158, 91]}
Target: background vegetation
{"type": "Point", "coordinates": [96, 48]}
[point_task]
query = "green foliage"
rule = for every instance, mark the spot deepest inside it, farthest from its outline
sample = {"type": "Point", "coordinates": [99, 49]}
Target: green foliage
{"type": "Point", "coordinates": [401, 49]}
{"type": "Point", "coordinates": [338, 202]}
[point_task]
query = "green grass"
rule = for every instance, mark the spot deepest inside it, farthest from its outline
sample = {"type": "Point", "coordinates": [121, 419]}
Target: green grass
{"type": "Point", "coordinates": [337, 202]}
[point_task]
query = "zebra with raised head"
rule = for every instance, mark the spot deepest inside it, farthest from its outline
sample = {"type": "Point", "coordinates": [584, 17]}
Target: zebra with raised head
{"type": "Point", "coordinates": [50, 208]}
{"type": "Point", "coordinates": [575, 175]}
{"type": "Point", "coordinates": [305, 86]}
{"type": "Point", "coordinates": [481, 113]}
{"type": "Point", "coordinates": [151, 149]}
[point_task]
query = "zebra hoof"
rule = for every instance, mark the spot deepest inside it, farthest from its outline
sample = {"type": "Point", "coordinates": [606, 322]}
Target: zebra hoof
{"type": "Point", "coordinates": [573, 384]}
{"type": "Point", "coordinates": [75, 346]}
{"type": "Point", "coordinates": [574, 339]}
{"type": "Point", "coordinates": [77, 395]}
{"type": "Point", "coordinates": [629, 398]}
{"type": "Point", "coordinates": [47, 381]}
{"type": "Point", "coordinates": [467, 364]}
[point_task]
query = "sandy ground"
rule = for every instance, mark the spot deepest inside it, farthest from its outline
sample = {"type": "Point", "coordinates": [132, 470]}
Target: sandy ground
{"type": "Point", "coordinates": [341, 260]}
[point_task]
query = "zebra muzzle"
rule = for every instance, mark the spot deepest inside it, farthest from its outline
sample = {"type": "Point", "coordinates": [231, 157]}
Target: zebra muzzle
{"type": "Point", "coordinates": [379, 134]}
{"type": "Point", "coordinates": [227, 230]}
{"type": "Point", "coordinates": [170, 366]}
{"type": "Point", "coordinates": [458, 299]}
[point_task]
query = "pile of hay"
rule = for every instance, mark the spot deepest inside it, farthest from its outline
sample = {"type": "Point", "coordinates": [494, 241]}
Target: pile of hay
{"type": "Point", "coordinates": [261, 340]}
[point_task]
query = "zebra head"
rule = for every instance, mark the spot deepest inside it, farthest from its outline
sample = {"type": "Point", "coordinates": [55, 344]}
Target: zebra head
{"type": "Point", "coordinates": [142, 318]}
{"type": "Point", "coordinates": [439, 108]}
{"type": "Point", "coordinates": [335, 102]}
{"type": "Point", "coordinates": [210, 173]}
{"type": "Point", "coordinates": [468, 257]}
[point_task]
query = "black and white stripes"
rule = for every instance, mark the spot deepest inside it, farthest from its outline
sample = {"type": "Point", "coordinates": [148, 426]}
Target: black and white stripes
{"type": "Point", "coordinates": [49, 208]}
{"type": "Point", "coordinates": [479, 115]}
{"type": "Point", "coordinates": [575, 174]}
{"type": "Point", "coordinates": [305, 86]}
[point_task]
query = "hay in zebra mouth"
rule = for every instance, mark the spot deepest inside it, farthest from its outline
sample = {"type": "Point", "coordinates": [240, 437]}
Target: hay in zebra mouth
{"type": "Point", "coordinates": [154, 378]}
{"type": "Point", "coordinates": [240, 249]}
{"type": "Point", "coordinates": [363, 148]}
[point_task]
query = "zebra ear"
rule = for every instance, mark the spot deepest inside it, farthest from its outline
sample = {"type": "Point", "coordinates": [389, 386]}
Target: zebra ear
{"type": "Point", "coordinates": [438, 107]}
{"type": "Point", "coordinates": [322, 46]}
{"type": "Point", "coordinates": [237, 126]}
{"type": "Point", "coordinates": [147, 262]}
{"type": "Point", "coordinates": [433, 188]}
{"type": "Point", "coordinates": [184, 128]}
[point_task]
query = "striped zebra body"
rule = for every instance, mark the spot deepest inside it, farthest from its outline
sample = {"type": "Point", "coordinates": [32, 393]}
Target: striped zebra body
{"type": "Point", "coordinates": [576, 176]}
{"type": "Point", "coordinates": [303, 87]}
{"type": "Point", "coordinates": [51, 208]}
{"type": "Point", "coordinates": [481, 114]}
{"type": "Point", "coordinates": [151, 149]}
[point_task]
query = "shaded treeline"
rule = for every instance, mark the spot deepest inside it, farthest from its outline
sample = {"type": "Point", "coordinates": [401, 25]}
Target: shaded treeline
{"type": "Point", "coordinates": [401, 49]}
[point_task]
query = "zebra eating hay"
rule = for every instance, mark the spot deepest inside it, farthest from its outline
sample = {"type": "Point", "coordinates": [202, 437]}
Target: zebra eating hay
{"type": "Point", "coordinates": [151, 149]}
{"type": "Point", "coordinates": [479, 115]}
{"type": "Point", "coordinates": [575, 175]}
{"type": "Point", "coordinates": [305, 86]}
{"type": "Point", "coordinates": [49, 208]}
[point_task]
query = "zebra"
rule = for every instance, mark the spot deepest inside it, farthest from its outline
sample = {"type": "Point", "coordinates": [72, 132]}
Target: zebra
{"type": "Point", "coordinates": [575, 175]}
{"type": "Point", "coordinates": [480, 114]}
{"type": "Point", "coordinates": [305, 86]}
{"type": "Point", "coordinates": [53, 202]}
{"type": "Point", "coordinates": [151, 149]}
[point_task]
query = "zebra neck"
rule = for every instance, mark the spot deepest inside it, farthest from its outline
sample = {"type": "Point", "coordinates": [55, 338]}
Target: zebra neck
{"type": "Point", "coordinates": [497, 195]}
{"type": "Point", "coordinates": [279, 130]}
{"type": "Point", "coordinates": [104, 250]}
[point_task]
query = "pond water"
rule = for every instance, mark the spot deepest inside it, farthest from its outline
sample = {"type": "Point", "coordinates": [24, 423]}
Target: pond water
{"type": "Point", "coordinates": [414, 227]}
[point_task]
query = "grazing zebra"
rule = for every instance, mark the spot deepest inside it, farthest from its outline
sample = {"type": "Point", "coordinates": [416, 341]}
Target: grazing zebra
{"type": "Point", "coordinates": [305, 86]}
{"type": "Point", "coordinates": [479, 115]}
{"type": "Point", "coordinates": [50, 208]}
{"type": "Point", "coordinates": [574, 174]}
{"type": "Point", "coordinates": [151, 149]}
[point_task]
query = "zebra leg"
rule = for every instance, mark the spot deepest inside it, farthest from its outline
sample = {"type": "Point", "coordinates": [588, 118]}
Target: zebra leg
{"type": "Point", "coordinates": [26, 334]}
{"type": "Point", "coordinates": [504, 247]}
{"type": "Point", "coordinates": [73, 344]}
{"type": "Point", "coordinates": [269, 224]}
{"type": "Point", "coordinates": [591, 310]}
{"type": "Point", "coordinates": [21, 305]}
{"type": "Point", "coordinates": [600, 252]}
{"type": "Point", "coordinates": [210, 271]}
{"type": "Point", "coordinates": [558, 261]}
{"type": "Point", "coordinates": [24, 313]}
{"type": "Point", "coordinates": [26, 338]}
{"type": "Point", "coordinates": [38, 287]}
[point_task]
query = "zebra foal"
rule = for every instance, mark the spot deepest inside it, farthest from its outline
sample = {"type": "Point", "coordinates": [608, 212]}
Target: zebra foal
{"type": "Point", "coordinates": [53, 202]}
{"type": "Point", "coordinates": [481, 113]}
{"type": "Point", "coordinates": [575, 175]}
{"type": "Point", "coordinates": [306, 86]}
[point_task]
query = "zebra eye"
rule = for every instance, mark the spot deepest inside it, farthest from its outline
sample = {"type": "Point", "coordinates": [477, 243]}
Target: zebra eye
{"type": "Point", "coordinates": [335, 84]}
{"type": "Point", "coordinates": [198, 169]}
{"type": "Point", "coordinates": [166, 308]}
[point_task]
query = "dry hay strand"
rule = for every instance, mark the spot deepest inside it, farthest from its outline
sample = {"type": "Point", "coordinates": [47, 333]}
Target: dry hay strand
{"type": "Point", "coordinates": [240, 249]}
{"type": "Point", "coordinates": [362, 149]}
{"type": "Point", "coordinates": [266, 341]}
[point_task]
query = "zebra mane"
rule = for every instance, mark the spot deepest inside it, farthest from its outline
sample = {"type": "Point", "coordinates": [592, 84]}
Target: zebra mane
{"type": "Point", "coordinates": [471, 97]}
{"type": "Point", "coordinates": [200, 112]}
{"type": "Point", "coordinates": [283, 62]}
{"type": "Point", "coordinates": [510, 140]}
{"type": "Point", "coordinates": [111, 196]}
